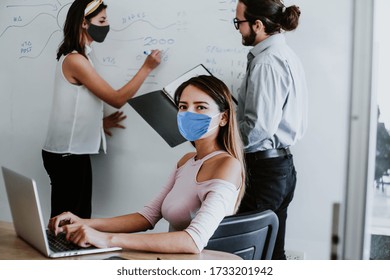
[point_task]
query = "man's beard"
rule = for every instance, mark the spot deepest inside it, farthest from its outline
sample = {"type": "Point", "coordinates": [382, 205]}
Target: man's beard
{"type": "Point", "coordinates": [249, 40]}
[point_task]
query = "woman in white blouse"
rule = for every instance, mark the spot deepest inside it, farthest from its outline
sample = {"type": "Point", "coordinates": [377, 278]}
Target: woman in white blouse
{"type": "Point", "coordinates": [77, 126]}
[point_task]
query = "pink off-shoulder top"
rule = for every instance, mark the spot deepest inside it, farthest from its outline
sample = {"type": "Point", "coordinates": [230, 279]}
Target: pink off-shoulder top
{"type": "Point", "coordinates": [195, 207]}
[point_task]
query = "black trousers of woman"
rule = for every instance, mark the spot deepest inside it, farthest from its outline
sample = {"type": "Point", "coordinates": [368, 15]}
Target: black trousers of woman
{"type": "Point", "coordinates": [270, 185]}
{"type": "Point", "coordinates": [71, 183]}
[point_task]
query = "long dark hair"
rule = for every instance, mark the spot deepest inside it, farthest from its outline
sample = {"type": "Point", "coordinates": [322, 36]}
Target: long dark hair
{"type": "Point", "coordinates": [273, 14]}
{"type": "Point", "coordinates": [229, 136]}
{"type": "Point", "coordinates": [72, 27]}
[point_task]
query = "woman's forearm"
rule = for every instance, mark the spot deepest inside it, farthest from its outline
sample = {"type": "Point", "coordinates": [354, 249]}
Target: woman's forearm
{"type": "Point", "coordinates": [167, 242]}
{"type": "Point", "coordinates": [134, 222]}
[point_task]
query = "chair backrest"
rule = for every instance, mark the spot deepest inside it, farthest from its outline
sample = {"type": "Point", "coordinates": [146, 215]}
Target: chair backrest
{"type": "Point", "coordinates": [249, 235]}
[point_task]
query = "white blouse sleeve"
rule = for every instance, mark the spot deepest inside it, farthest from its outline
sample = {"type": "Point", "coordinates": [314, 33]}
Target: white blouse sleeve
{"type": "Point", "coordinates": [218, 200]}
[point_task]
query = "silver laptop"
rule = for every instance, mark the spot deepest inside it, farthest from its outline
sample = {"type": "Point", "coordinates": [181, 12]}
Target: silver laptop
{"type": "Point", "coordinates": [28, 220]}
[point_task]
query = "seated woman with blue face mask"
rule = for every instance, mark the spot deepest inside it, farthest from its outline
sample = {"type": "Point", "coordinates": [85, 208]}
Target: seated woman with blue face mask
{"type": "Point", "coordinates": [204, 187]}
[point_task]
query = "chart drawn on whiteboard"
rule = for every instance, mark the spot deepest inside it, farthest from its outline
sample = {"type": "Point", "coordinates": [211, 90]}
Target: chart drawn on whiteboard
{"type": "Point", "coordinates": [187, 34]}
{"type": "Point", "coordinates": [24, 20]}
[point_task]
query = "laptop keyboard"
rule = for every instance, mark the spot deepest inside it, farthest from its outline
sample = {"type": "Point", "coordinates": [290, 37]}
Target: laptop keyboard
{"type": "Point", "coordinates": [60, 244]}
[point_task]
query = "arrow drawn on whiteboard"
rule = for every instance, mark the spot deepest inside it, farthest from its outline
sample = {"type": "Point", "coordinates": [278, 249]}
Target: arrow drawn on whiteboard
{"type": "Point", "coordinates": [32, 6]}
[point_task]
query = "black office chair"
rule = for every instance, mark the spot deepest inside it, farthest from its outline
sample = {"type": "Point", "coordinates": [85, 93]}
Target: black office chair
{"type": "Point", "coordinates": [248, 235]}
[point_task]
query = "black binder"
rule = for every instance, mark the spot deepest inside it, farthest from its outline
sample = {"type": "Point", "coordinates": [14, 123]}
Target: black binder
{"type": "Point", "coordinates": [158, 109]}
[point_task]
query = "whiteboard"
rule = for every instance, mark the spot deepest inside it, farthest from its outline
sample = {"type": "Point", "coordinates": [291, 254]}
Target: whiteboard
{"type": "Point", "coordinates": [187, 32]}
{"type": "Point", "coordinates": [138, 160]}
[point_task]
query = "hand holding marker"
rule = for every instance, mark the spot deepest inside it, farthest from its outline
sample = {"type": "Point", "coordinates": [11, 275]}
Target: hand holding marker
{"type": "Point", "coordinates": [153, 57]}
{"type": "Point", "coordinates": [154, 52]}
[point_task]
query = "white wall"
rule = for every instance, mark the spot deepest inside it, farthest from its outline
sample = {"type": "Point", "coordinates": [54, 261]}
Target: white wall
{"type": "Point", "coordinates": [324, 42]}
{"type": "Point", "coordinates": [382, 45]}
{"type": "Point", "coordinates": [138, 161]}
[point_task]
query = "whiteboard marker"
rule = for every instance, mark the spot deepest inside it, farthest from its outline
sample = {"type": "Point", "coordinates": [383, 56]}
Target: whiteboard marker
{"type": "Point", "coordinates": [147, 52]}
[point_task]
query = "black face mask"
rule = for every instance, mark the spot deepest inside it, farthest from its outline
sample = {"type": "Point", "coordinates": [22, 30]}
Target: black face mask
{"type": "Point", "coordinates": [98, 33]}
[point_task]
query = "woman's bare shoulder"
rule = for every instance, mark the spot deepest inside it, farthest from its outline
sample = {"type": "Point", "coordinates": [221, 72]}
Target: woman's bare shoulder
{"type": "Point", "coordinates": [227, 163]}
{"type": "Point", "coordinates": [225, 167]}
{"type": "Point", "coordinates": [76, 59]}
{"type": "Point", "coordinates": [185, 158]}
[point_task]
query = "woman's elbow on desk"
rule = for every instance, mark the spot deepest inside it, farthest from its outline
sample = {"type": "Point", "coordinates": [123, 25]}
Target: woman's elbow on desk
{"type": "Point", "coordinates": [170, 242]}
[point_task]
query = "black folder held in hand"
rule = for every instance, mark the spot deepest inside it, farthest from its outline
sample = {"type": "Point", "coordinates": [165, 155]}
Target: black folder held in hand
{"type": "Point", "coordinates": [158, 109]}
{"type": "Point", "coordinates": [159, 112]}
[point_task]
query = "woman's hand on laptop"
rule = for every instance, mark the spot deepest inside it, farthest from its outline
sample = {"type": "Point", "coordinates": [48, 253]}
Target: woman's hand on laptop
{"type": "Point", "coordinates": [57, 223]}
{"type": "Point", "coordinates": [85, 236]}
{"type": "Point", "coordinates": [77, 231]}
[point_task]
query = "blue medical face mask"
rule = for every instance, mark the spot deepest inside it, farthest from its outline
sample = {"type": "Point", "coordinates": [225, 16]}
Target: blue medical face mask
{"type": "Point", "coordinates": [193, 126]}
